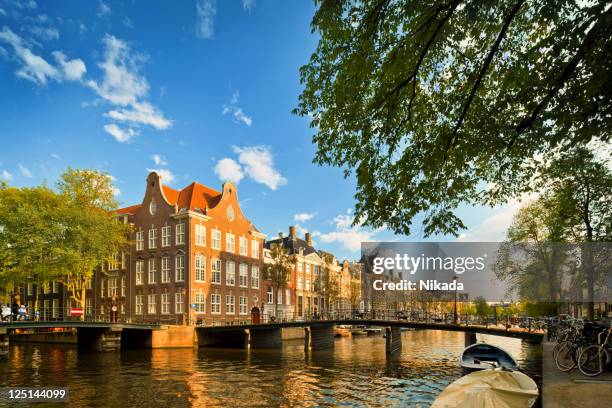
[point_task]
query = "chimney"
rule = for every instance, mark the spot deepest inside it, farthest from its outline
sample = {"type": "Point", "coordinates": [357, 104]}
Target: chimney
{"type": "Point", "coordinates": [308, 239]}
{"type": "Point", "coordinates": [292, 233]}
{"type": "Point", "coordinates": [281, 235]}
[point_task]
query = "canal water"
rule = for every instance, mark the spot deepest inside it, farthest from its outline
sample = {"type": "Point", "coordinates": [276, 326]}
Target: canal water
{"type": "Point", "coordinates": [356, 373]}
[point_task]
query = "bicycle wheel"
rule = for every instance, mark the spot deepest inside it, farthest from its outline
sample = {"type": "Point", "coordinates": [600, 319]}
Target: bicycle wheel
{"type": "Point", "coordinates": [592, 360]}
{"type": "Point", "coordinates": [566, 356]}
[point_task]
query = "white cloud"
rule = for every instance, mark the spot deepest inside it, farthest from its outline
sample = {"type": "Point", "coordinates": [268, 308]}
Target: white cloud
{"type": "Point", "coordinates": [55, 156]}
{"type": "Point", "coordinates": [24, 171]}
{"type": "Point", "coordinates": [124, 87]}
{"type": "Point", "coordinates": [2, 12]}
{"type": "Point", "coordinates": [248, 5]}
{"type": "Point", "coordinates": [36, 69]}
{"type": "Point", "coordinates": [127, 22]}
{"type": "Point", "coordinates": [303, 217]}
{"type": "Point", "coordinates": [159, 160]}
{"type": "Point", "coordinates": [350, 237]}
{"type": "Point", "coordinates": [237, 111]}
{"type": "Point", "coordinates": [73, 69]}
{"type": "Point", "coordinates": [120, 135]}
{"type": "Point", "coordinates": [228, 170]}
{"type": "Point", "coordinates": [165, 174]}
{"type": "Point", "coordinates": [258, 164]}
{"type": "Point", "coordinates": [44, 33]}
{"type": "Point", "coordinates": [6, 175]}
{"type": "Point", "coordinates": [104, 9]}
{"type": "Point", "coordinates": [205, 14]}
{"type": "Point", "coordinates": [494, 227]}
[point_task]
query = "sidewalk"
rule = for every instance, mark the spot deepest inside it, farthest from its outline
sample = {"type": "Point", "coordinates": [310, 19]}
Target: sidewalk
{"type": "Point", "coordinates": [559, 389]}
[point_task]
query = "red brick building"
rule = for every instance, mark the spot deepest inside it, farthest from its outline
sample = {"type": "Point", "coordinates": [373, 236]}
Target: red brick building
{"type": "Point", "coordinates": [193, 257]}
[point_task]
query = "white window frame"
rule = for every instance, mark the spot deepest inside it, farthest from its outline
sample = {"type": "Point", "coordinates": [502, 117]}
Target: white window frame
{"type": "Point", "coordinates": [149, 303]}
{"type": "Point", "coordinates": [255, 249]}
{"type": "Point", "coordinates": [140, 240]}
{"type": "Point", "coordinates": [200, 268]}
{"type": "Point", "coordinates": [230, 242]}
{"type": "Point", "coordinates": [230, 304]}
{"type": "Point", "coordinates": [152, 237]}
{"type": "Point", "coordinates": [140, 272]}
{"type": "Point", "coordinates": [165, 269]}
{"type": "Point", "coordinates": [215, 239]}
{"type": "Point", "coordinates": [254, 276]}
{"type": "Point", "coordinates": [243, 305]}
{"type": "Point", "coordinates": [230, 273]}
{"type": "Point", "coordinates": [200, 235]}
{"type": "Point", "coordinates": [243, 246]}
{"type": "Point", "coordinates": [215, 271]}
{"type": "Point", "coordinates": [243, 275]}
{"type": "Point", "coordinates": [215, 303]}
{"type": "Point", "coordinates": [270, 293]}
{"type": "Point", "coordinates": [178, 302]}
{"type": "Point", "coordinates": [165, 236]}
{"type": "Point", "coordinates": [139, 304]}
{"type": "Point", "coordinates": [179, 230]}
{"type": "Point", "coordinates": [151, 272]}
{"type": "Point", "coordinates": [200, 302]}
{"type": "Point", "coordinates": [179, 268]}
{"type": "Point", "coordinates": [165, 303]}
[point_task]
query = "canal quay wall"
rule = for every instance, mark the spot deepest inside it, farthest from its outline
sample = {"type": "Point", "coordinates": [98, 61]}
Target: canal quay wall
{"type": "Point", "coordinates": [572, 390]}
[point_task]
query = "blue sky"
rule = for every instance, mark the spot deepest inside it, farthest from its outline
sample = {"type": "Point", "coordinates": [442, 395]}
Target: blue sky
{"type": "Point", "coordinates": [198, 90]}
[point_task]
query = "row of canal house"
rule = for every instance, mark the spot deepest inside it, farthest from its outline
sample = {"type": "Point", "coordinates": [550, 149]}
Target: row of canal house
{"type": "Point", "coordinates": [195, 258]}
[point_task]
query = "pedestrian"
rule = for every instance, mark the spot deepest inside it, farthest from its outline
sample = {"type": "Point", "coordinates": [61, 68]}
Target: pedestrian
{"type": "Point", "coordinates": [15, 310]}
{"type": "Point", "coordinates": [21, 312]}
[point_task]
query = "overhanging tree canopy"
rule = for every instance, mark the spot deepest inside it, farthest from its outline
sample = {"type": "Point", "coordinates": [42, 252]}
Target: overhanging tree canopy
{"type": "Point", "coordinates": [435, 104]}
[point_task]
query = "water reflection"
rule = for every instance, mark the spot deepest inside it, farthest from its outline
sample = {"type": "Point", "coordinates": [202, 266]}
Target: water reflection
{"type": "Point", "coordinates": [356, 373]}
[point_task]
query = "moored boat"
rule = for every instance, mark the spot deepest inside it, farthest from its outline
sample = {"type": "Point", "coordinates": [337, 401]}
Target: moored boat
{"type": "Point", "coordinates": [497, 388]}
{"type": "Point", "coordinates": [483, 356]}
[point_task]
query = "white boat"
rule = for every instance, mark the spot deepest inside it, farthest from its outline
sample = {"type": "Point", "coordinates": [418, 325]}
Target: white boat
{"type": "Point", "coordinates": [483, 356]}
{"type": "Point", "coordinates": [496, 388]}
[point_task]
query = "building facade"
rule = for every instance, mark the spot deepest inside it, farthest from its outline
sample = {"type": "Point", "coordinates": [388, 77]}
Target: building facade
{"type": "Point", "coordinates": [194, 258]}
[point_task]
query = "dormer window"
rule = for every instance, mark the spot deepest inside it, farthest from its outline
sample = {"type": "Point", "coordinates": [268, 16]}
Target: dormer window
{"type": "Point", "coordinates": [230, 213]}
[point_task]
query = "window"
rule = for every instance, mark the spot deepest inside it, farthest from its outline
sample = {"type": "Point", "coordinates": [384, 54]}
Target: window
{"type": "Point", "coordinates": [153, 238]}
{"type": "Point", "coordinates": [29, 289]}
{"type": "Point", "coordinates": [55, 311]}
{"type": "Point", "coordinates": [113, 262]}
{"type": "Point", "coordinates": [165, 269]}
{"type": "Point", "coordinates": [178, 302]}
{"type": "Point", "coordinates": [216, 239]}
{"type": "Point", "coordinates": [88, 310]}
{"type": "Point", "coordinates": [300, 306]}
{"type": "Point", "coordinates": [230, 304]}
{"type": "Point", "coordinates": [101, 309]}
{"type": "Point", "coordinates": [112, 287]}
{"type": "Point", "coordinates": [55, 287]}
{"type": "Point", "coordinates": [180, 268]}
{"type": "Point", "coordinates": [230, 242]}
{"type": "Point", "coordinates": [215, 269]}
{"type": "Point", "coordinates": [153, 207]}
{"type": "Point", "coordinates": [139, 302]}
{"type": "Point", "coordinates": [243, 305]}
{"type": "Point", "coordinates": [180, 233]}
{"type": "Point", "coordinates": [215, 303]}
{"type": "Point", "coordinates": [279, 296]}
{"type": "Point", "coordinates": [152, 303]}
{"type": "Point", "coordinates": [270, 295]}
{"type": "Point", "coordinates": [152, 270]}
{"type": "Point", "coordinates": [165, 303]}
{"type": "Point", "coordinates": [102, 287]}
{"type": "Point", "coordinates": [255, 249]}
{"type": "Point", "coordinates": [255, 277]}
{"type": "Point", "coordinates": [230, 273]}
{"type": "Point", "coordinates": [200, 268]}
{"type": "Point", "coordinates": [243, 279]}
{"type": "Point", "coordinates": [200, 302]}
{"type": "Point", "coordinates": [308, 268]}
{"type": "Point", "coordinates": [139, 272]}
{"type": "Point", "coordinates": [244, 246]}
{"type": "Point", "coordinates": [307, 284]}
{"type": "Point", "coordinates": [300, 283]}
{"type": "Point", "coordinates": [122, 309]}
{"type": "Point", "coordinates": [139, 240]}
{"type": "Point", "coordinates": [200, 235]}
{"type": "Point", "coordinates": [123, 286]}
{"type": "Point", "coordinates": [166, 236]}
{"type": "Point", "coordinates": [288, 296]}
{"type": "Point", "coordinates": [300, 266]}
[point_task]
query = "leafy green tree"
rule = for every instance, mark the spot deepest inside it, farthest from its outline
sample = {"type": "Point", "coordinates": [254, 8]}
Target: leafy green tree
{"type": "Point", "coordinates": [278, 271]}
{"type": "Point", "coordinates": [92, 232]}
{"type": "Point", "coordinates": [482, 307]}
{"type": "Point", "coordinates": [437, 104]}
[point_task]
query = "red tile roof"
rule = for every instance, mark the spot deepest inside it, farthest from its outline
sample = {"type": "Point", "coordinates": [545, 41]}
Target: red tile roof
{"type": "Point", "coordinates": [194, 196]}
